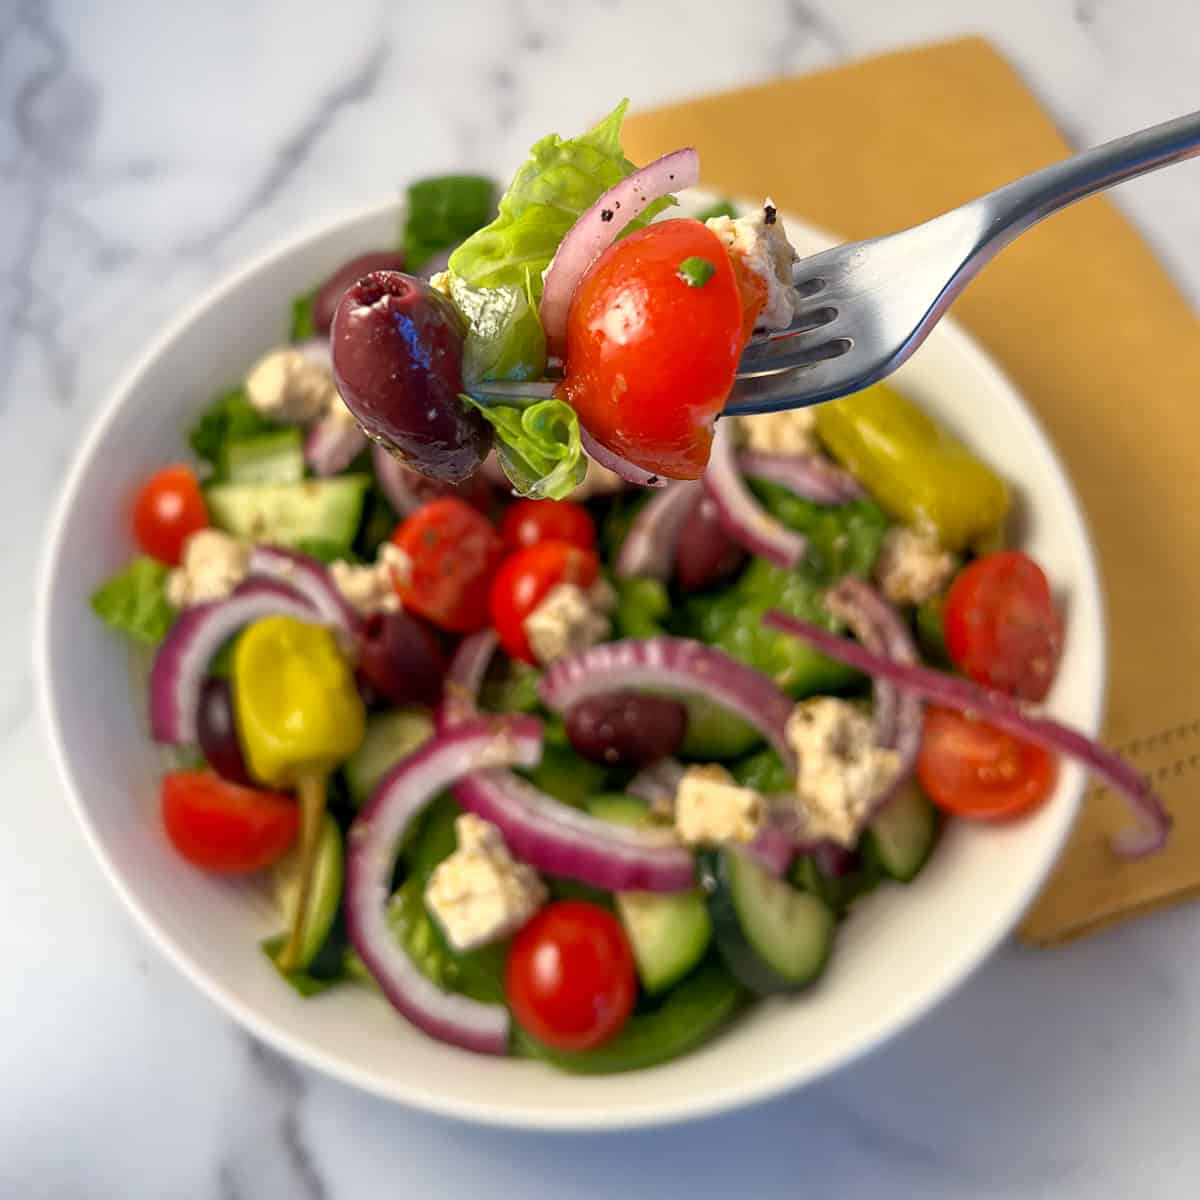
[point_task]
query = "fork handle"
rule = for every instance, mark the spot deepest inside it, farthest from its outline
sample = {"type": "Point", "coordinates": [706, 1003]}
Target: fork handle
{"type": "Point", "coordinates": [1010, 210]}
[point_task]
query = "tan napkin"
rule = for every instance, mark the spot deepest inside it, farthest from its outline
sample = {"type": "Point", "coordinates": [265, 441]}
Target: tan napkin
{"type": "Point", "coordinates": [1087, 323]}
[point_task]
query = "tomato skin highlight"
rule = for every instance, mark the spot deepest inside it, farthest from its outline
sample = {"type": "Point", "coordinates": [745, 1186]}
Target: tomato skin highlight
{"type": "Point", "coordinates": [167, 510]}
{"type": "Point", "coordinates": [523, 581]}
{"type": "Point", "coordinates": [650, 359]}
{"type": "Point", "coordinates": [453, 553]}
{"type": "Point", "coordinates": [528, 522]}
{"type": "Point", "coordinates": [224, 827]}
{"type": "Point", "coordinates": [1003, 629]}
{"type": "Point", "coordinates": [974, 770]}
{"type": "Point", "coordinates": [570, 977]}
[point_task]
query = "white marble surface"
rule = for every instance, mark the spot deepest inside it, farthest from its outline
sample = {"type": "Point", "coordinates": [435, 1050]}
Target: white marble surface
{"type": "Point", "coordinates": [144, 149]}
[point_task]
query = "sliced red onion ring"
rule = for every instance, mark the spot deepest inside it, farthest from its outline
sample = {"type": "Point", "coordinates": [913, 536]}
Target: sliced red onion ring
{"type": "Point", "coordinates": [774, 847]}
{"type": "Point", "coordinates": [372, 846]}
{"type": "Point", "coordinates": [657, 783]}
{"type": "Point", "coordinates": [310, 579]}
{"type": "Point", "coordinates": [181, 662]}
{"type": "Point", "coordinates": [628, 471]}
{"type": "Point", "coordinates": [669, 664]}
{"type": "Point", "coordinates": [649, 546]}
{"type": "Point", "coordinates": [808, 475]}
{"type": "Point", "coordinates": [1013, 717]}
{"type": "Point", "coordinates": [464, 677]}
{"type": "Point", "coordinates": [332, 444]}
{"type": "Point", "coordinates": [745, 520]}
{"type": "Point", "coordinates": [597, 228]}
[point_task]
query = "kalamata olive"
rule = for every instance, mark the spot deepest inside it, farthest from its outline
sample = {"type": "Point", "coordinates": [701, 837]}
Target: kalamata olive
{"type": "Point", "coordinates": [705, 554]}
{"type": "Point", "coordinates": [397, 357]}
{"type": "Point", "coordinates": [626, 729]}
{"type": "Point", "coordinates": [325, 302]}
{"type": "Point", "coordinates": [401, 659]}
{"type": "Point", "coordinates": [216, 726]}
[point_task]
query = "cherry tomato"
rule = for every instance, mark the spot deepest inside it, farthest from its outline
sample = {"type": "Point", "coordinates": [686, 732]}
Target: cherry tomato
{"type": "Point", "coordinates": [523, 581]}
{"type": "Point", "coordinates": [531, 521]}
{"type": "Point", "coordinates": [650, 358]}
{"type": "Point", "coordinates": [570, 977]}
{"type": "Point", "coordinates": [168, 508]}
{"type": "Point", "coordinates": [1002, 627]}
{"type": "Point", "coordinates": [224, 827]}
{"type": "Point", "coordinates": [453, 553]}
{"type": "Point", "coordinates": [975, 770]}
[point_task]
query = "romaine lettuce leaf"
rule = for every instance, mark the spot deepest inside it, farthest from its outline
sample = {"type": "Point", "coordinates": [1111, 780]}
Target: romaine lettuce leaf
{"type": "Point", "coordinates": [538, 446]}
{"type": "Point", "coordinates": [442, 211]}
{"type": "Point", "coordinates": [505, 339]}
{"type": "Point", "coordinates": [134, 601]}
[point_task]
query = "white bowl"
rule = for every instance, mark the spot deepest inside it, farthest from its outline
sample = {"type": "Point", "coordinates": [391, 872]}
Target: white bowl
{"type": "Point", "coordinates": [901, 951]}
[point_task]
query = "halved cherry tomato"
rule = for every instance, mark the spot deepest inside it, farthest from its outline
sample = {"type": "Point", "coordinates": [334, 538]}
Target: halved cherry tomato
{"type": "Point", "coordinates": [453, 552]}
{"type": "Point", "coordinates": [1002, 627]}
{"type": "Point", "coordinates": [570, 977]}
{"type": "Point", "coordinates": [523, 581]}
{"type": "Point", "coordinates": [650, 357]}
{"type": "Point", "coordinates": [975, 770]}
{"type": "Point", "coordinates": [167, 509]}
{"type": "Point", "coordinates": [531, 521]}
{"type": "Point", "coordinates": [224, 827]}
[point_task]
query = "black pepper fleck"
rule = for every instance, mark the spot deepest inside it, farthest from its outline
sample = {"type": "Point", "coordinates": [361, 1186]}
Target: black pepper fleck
{"type": "Point", "coordinates": [769, 215]}
{"type": "Point", "coordinates": [606, 214]}
{"type": "Point", "coordinates": [652, 480]}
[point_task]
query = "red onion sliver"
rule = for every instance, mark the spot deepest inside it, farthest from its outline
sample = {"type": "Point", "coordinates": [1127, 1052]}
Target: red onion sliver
{"type": "Point", "coordinates": [657, 783]}
{"type": "Point", "coordinates": [308, 577]}
{"type": "Point", "coordinates": [649, 546]}
{"type": "Point", "coordinates": [745, 520]}
{"type": "Point", "coordinates": [597, 228]}
{"type": "Point", "coordinates": [464, 677]}
{"type": "Point", "coordinates": [372, 846]}
{"type": "Point", "coordinates": [808, 475]}
{"type": "Point", "coordinates": [1013, 717]}
{"type": "Point", "coordinates": [669, 664]}
{"type": "Point", "coordinates": [181, 661]}
{"type": "Point", "coordinates": [774, 847]}
{"type": "Point", "coordinates": [332, 444]}
{"type": "Point", "coordinates": [628, 471]}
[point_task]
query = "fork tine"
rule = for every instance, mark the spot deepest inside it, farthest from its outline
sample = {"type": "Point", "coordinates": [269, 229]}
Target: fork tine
{"type": "Point", "coordinates": [801, 386]}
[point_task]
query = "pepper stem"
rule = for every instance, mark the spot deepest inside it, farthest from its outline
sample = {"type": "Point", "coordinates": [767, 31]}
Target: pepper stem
{"type": "Point", "coordinates": [312, 812]}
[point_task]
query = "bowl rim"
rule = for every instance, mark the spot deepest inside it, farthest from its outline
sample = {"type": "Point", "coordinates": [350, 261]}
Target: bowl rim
{"type": "Point", "coordinates": [594, 1118]}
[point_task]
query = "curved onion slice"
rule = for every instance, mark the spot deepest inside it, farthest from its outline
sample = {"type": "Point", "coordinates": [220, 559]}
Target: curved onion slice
{"type": "Point", "coordinates": [649, 546]}
{"type": "Point", "coordinates": [372, 846]}
{"type": "Point", "coordinates": [598, 227]}
{"type": "Point", "coordinates": [332, 444]}
{"type": "Point", "coordinates": [808, 475]}
{"type": "Point", "coordinates": [309, 578]}
{"type": "Point", "coordinates": [657, 783]}
{"type": "Point", "coordinates": [670, 664]}
{"type": "Point", "coordinates": [745, 520]}
{"type": "Point", "coordinates": [1012, 716]}
{"type": "Point", "coordinates": [464, 677]}
{"type": "Point", "coordinates": [774, 847]}
{"type": "Point", "coordinates": [178, 671]}
{"type": "Point", "coordinates": [630, 472]}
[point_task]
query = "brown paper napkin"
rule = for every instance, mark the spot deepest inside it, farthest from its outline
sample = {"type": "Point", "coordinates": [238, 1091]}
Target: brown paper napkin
{"type": "Point", "coordinates": [1089, 326]}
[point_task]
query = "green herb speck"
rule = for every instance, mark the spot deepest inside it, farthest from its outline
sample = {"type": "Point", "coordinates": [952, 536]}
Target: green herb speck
{"type": "Point", "coordinates": [696, 271]}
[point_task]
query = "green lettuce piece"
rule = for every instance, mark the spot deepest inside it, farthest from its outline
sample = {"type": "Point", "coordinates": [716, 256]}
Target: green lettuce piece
{"type": "Point", "coordinates": [538, 446]}
{"type": "Point", "coordinates": [558, 181]}
{"type": "Point", "coordinates": [442, 211]}
{"type": "Point", "coordinates": [135, 603]}
{"type": "Point", "coordinates": [229, 418]}
{"type": "Point", "coordinates": [722, 208]}
{"type": "Point", "coordinates": [505, 338]}
{"type": "Point", "coordinates": [301, 327]}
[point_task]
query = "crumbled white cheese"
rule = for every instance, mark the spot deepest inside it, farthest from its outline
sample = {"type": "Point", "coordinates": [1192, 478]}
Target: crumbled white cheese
{"type": "Point", "coordinates": [711, 807]}
{"type": "Point", "coordinates": [760, 242]}
{"type": "Point", "coordinates": [286, 385]}
{"type": "Point", "coordinates": [370, 587]}
{"type": "Point", "coordinates": [602, 596]}
{"type": "Point", "coordinates": [792, 431]}
{"type": "Point", "coordinates": [599, 481]}
{"type": "Point", "coordinates": [912, 566]}
{"type": "Point", "coordinates": [213, 564]}
{"type": "Point", "coordinates": [479, 894]}
{"type": "Point", "coordinates": [565, 622]}
{"type": "Point", "coordinates": [440, 282]}
{"type": "Point", "coordinates": [337, 413]}
{"type": "Point", "coordinates": [843, 770]}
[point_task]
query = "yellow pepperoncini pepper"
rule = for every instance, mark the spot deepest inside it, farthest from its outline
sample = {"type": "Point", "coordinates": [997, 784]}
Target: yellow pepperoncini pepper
{"type": "Point", "coordinates": [918, 472]}
{"type": "Point", "coordinates": [299, 715]}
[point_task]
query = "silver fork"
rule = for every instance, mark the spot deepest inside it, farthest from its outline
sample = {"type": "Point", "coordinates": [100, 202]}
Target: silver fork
{"type": "Point", "coordinates": [864, 307]}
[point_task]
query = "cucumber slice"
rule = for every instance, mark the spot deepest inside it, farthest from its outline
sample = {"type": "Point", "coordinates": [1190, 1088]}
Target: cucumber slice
{"type": "Point", "coordinates": [714, 734]}
{"type": "Point", "coordinates": [772, 937]}
{"type": "Point", "coordinates": [620, 809]}
{"type": "Point", "coordinates": [837, 891]}
{"type": "Point", "coordinates": [668, 933]}
{"type": "Point", "coordinates": [324, 894]}
{"type": "Point", "coordinates": [390, 736]}
{"type": "Point", "coordinates": [286, 513]}
{"type": "Point", "coordinates": [265, 458]}
{"type": "Point", "coordinates": [901, 836]}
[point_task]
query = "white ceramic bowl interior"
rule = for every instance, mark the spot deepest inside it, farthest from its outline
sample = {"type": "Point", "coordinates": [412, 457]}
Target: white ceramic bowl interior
{"type": "Point", "coordinates": [902, 950]}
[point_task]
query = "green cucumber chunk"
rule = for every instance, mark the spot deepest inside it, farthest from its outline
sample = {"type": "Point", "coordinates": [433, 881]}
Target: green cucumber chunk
{"type": "Point", "coordinates": [324, 894]}
{"type": "Point", "coordinates": [620, 809]}
{"type": "Point", "coordinates": [566, 776]}
{"type": "Point", "coordinates": [714, 734]}
{"type": "Point", "coordinates": [276, 457]}
{"type": "Point", "coordinates": [837, 891]}
{"type": "Point", "coordinates": [288, 513]}
{"type": "Point", "coordinates": [771, 936]}
{"type": "Point", "coordinates": [669, 934]}
{"type": "Point", "coordinates": [390, 736]}
{"type": "Point", "coordinates": [901, 835]}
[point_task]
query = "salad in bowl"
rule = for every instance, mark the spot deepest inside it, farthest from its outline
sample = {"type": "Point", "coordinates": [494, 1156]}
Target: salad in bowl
{"type": "Point", "coordinates": [573, 725]}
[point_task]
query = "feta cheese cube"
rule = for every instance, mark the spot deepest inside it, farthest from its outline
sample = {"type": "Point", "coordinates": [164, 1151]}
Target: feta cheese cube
{"type": "Point", "coordinates": [793, 431]}
{"type": "Point", "coordinates": [479, 894]}
{"type": "Point", "coordinates": [912, 567]}
{"type": "Point", "coordinates": [212, 565]}
{"type": "Point", "coordinates": [565, 622]}
{"type": "Point", "coordinates": [760, 242]}
{"type": "Point", "coordinates": [286, 385]}
{"type": "Point", "coordinates": [369, 587]}
{"type": "Point", "coordinates": [711, 807]}
{"type": "Point", "coordinates": [843, 769]}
